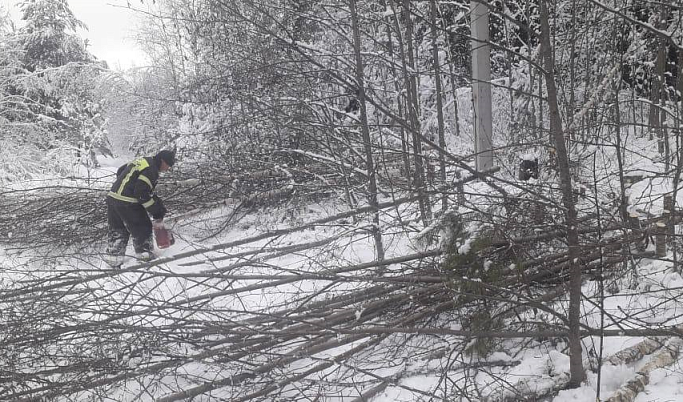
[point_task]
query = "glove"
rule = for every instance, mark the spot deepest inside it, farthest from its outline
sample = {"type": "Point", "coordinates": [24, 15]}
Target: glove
{"type": "Point", "coordinates": [158, 224]}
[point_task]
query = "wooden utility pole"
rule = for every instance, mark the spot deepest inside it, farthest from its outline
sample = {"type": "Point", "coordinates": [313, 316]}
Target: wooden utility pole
{"type": "Point", "coordinates": [481, 85]}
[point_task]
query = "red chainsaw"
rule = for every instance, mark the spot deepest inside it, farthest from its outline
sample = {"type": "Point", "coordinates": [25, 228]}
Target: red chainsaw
{"type": "Point", "coordinates": [163, 236]}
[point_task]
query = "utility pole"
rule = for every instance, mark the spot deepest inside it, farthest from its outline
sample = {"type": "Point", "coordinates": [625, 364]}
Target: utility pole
{"type": "Point", "coordinates": [481, 85]}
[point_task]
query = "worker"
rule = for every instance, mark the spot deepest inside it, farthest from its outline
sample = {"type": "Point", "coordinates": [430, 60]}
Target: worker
{"type": "Point", "coordinates": [130, 203]}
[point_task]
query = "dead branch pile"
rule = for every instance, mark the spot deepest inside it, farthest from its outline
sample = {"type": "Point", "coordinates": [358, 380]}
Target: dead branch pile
{"type": "Point", "coordinates": [332, 328]}
{"type": "Point", "coordinates": [53, 216]}
{"type": "Point", "coordinates": [63, 216]}
{"type": "Point", "coordinates": [175, 334]}
{"type": "Point", "coordinates": [111, 327]}
{"type": "Point", "coordinates": [57, 216]}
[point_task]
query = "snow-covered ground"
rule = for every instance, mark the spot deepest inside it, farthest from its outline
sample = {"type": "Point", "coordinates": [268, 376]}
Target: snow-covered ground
{"type": "Point", "coordinates": [244, 314]}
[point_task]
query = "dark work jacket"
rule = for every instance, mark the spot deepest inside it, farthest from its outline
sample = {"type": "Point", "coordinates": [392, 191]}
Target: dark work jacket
{"type": "Point", "coordinates": [135, 183]}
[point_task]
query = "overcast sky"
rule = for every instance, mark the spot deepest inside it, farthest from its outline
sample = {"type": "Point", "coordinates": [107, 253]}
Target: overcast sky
{"type": "Point", "coordinates": [110, 27]}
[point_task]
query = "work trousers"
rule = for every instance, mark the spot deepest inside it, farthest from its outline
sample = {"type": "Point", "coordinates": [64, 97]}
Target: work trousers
{"type": "Point", "coordinates": [126, 220]}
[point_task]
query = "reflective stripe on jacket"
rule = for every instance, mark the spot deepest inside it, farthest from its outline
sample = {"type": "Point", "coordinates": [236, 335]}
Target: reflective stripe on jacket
{"type": "Point", "coordinates": [135, 183]}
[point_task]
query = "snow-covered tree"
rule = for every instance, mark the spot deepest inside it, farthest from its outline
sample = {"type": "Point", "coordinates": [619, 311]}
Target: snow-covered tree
{"type": "Point", "coordinates": [49, 36]}
{"type": "Point", "coordinates": [49, 86]}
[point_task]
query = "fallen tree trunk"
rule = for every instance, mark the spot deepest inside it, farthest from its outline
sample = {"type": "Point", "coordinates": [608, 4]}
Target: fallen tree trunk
{"type": "Point", "coordinates": [666, 357]}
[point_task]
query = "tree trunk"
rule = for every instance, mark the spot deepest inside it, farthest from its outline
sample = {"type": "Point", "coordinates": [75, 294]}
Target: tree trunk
{"type": "Point", "coordinates": [405, 156]}
{"type": "Point", "coordinates": [658, 82]}
{"type": "Point", "coordinates": [439, 101]}
{"type": "Point", "coordinates": [365, 128]}
{"type": "Point", "coordinates": [456, 121]}
{"type": "Point", "coordinates": [578, 375]}
{"type": "Point", "coordinates": [412, 105]}
{"type": "Point", "coordinates": [679, 152]}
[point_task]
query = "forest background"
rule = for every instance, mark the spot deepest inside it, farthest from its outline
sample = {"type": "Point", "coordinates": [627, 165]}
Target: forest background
{"type": "Point", "coordinates": [356, 117]}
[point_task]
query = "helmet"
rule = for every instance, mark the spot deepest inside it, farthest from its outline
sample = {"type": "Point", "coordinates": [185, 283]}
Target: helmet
{"type": "Point", "coordinates": [166, 156]}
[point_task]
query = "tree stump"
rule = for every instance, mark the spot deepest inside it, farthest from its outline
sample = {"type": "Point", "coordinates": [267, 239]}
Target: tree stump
{"type": "Point", "coordinates": [660, 239]}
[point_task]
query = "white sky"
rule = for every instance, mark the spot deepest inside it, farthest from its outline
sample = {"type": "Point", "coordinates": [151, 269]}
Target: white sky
{"type": "Point", "coordinates": [110, 29]}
